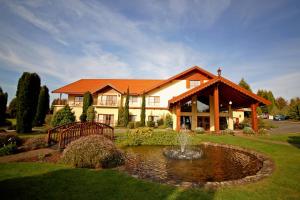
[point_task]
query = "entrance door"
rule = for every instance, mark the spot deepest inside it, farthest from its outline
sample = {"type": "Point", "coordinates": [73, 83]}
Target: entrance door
{"type": "Point", "coordinates": [185, 121]}
{"type": "Point", "coordinates": [106, 119]}
{"type": "Point", "coordinates": [203, 122]}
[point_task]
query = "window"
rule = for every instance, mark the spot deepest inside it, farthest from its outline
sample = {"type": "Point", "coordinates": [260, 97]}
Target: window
{"type": "Point", "coordinates": [203, 104]}
{"type": "Point", "coordinates": [194, 84]}
{"type": "Point", "coordinates": [108, 100]}
{"type": "Point", "coordinates": [106, 119]}
{"type": "Point", "coordinates": [132, 118]}
{"type": "Point", "coordinates": [133, 99]}
{"type": "Point", "coordinates": [78, 100]}
{"type": "Point", "coordinates": [153, 118]}
{"type": "Point", "coordinates": [187, 107]}
{"type": "Point", "coordinates": [153, 101]}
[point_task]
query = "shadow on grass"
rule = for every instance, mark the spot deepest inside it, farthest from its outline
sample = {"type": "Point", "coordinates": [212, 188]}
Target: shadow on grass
{"type": "Point", "coordinates": [92, 184]}
{"type": "Point", "coordinates": [294, 140]}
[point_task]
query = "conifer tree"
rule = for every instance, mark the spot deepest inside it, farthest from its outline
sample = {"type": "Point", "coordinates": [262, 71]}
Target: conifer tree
{"type": "Point", "coordinates": [143, 110]}
{"type": "Point", "coordinates": [3, 102]}
{"type": "Point", "coordinates": [42, 107]}
{"type": "Point", "coordinates": [126, 110]}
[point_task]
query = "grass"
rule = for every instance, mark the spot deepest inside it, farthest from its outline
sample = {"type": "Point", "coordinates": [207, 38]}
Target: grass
{"type": "Point", "coordinates": [49, 181]}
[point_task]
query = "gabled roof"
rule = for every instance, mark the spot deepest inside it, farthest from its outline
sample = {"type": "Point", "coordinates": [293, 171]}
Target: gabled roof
{"type": "Point", "coordinates": [136, 86]}
{"type": "Point", "coordinates": [177, 76]}
{"type": "Point", "coordinates": [220, 80]}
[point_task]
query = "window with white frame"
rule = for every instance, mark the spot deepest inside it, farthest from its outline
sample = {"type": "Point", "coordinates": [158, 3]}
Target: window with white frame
{"type": "Point", "coordinates": [133, 100]}
{"type": "Point", "coordinates": [153, 101]}
{"type": "Point", "coordinates": [108, 100]}
{"type": "Point", "coordinates": [194, 84]}
{"type": "Point", "coordinates": [78, 100]}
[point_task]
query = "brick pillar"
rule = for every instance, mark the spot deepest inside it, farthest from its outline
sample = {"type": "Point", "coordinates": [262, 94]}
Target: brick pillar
{"type": "Point", "coordinates": [216, 110]}
{"type": "Point", "coordinates": [254, 117]}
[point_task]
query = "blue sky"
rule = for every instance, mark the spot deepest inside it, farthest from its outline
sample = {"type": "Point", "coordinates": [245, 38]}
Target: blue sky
{"type": "Point", "coordinates": [64, 41]}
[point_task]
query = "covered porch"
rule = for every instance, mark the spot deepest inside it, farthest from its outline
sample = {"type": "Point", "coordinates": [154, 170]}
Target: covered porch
{"type": "Point", "coordinates": [211, 105]}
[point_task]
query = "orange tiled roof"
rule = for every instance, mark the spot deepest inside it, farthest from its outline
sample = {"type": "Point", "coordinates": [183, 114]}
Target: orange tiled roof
{"type": "Point", "coordinates": [136, 86]}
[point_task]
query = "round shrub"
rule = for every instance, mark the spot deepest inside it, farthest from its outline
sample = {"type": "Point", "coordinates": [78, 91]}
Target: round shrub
{"type": "Point", "coordinates": [9, 138]}
{"type": "Point", "coordinates": [199, 130]}
{"type": "Point", "coordinates": [138, 136]}
{"type": "Point", "coordinates": [63, 116]}
{"type": "Point", "coordinates": [92, 152]}
{"type": "Point", "coordinates": [137, 124]}
{"type": "Point", "coordinates": [150, 123]}
{"type": "Point", "coordinates": [35, 143]}
{"type": "Point", "coordinates": [262, 131]}
{"type": "Point", "coordinates": [248, 130]}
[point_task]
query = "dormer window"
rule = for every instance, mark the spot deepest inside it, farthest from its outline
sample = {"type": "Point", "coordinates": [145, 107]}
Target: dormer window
{"type": "Point", "coordinates": [194, 83]}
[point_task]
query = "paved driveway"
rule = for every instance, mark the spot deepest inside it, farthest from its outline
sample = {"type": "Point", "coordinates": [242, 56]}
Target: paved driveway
{"type": "Point", "coordinates": [285, 127]}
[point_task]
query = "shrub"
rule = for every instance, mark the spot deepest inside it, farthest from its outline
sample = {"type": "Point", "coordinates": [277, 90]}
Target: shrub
{"type": "Point", "coordinates": [130, 125]}
{"type": "Point", "coordinates": [227, 132]}
{"type": "Point", "coordinates": [63, 116]}
{"type": "Point", "coordinates": [137, 124]}
{"type": "Point", "coordinates": [48, 119]}
{"type": "Point", "coordinates": [82, 117]}
{"type": "Point", "coordinates": [245, 123]}
{"type": "Point", "coordinates": [248, 130]}
{"type": "Point", "coordinates": [169, 121]}
{"type": "Point", "coordinates": [262, 131]}
{"type": "Point", "coordinates": [35, 143]}
{"type": "Point", "coordinates": [12, 108]}
{"type": "Point", "coordinates": [150, 123]}
{"type": "Point", "coordinates": [8, 138]}
{"type": "Point", "coordinates": [91, 114]}
{"type": "Point", "coordinates": [138, 136]}
{"type": "Point", "coordinates": [91, 152]}
{"type": "Point", "coordinates": [8, 149]}
{"type": "Point", "coordinates": [160, 122]}
{"type": "Point", "coordinates": [199, 130]}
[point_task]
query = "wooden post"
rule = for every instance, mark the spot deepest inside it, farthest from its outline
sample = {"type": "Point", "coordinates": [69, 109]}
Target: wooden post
{"type": "Point", "coordinates": [216, 110]}
{"type": "Point", "coordinates": [254, 117]}
{"type": "Point", "coordinates": [178, 113]}
{"type": "Point", "coordinates": [194, 112]}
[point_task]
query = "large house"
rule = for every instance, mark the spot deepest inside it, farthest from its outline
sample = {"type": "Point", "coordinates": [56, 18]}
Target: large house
{"type": "Point", "coordinates": [194, 98]}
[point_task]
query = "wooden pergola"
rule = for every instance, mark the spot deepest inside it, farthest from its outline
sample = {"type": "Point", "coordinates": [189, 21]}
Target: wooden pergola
{"type": "Point", "coordinates": [222, 92]}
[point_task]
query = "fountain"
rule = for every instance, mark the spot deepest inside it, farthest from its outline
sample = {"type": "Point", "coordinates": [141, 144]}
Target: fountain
{"type": "Point", "coordinates": [183, 153]}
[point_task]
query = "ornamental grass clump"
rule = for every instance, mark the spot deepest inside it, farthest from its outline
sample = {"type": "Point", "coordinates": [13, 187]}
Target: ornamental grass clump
{"type": "Point", "coordinates": [92, 151]}
{"type": "Point", "coordinates": [227, 132]}
{"type": "Point", "coordinates": [35, 143]}
{"type": "Point", "coordinates": [199, 130]}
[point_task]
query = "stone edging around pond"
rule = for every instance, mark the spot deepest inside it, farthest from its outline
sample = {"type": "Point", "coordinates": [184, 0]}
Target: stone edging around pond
{"type": "Point", "coordinates": [265, 171]}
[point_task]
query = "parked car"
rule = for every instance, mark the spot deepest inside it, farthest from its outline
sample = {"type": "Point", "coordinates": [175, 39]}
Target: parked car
{"type": "Point", "coordinates": [279, 117]}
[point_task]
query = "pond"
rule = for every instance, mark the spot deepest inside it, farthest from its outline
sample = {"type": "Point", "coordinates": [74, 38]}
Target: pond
{"type": "Point", "coordinates": [216, 164]}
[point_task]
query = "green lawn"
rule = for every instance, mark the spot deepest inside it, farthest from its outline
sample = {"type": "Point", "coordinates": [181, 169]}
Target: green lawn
{"type": "Point", "coordinates": [48, 181]}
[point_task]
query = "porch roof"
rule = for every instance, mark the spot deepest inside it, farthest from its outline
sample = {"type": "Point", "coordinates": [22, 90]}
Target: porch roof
{"type": "Point", "coordinates": [228, 91]}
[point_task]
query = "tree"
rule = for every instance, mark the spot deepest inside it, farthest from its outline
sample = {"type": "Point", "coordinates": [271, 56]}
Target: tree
{"type": "Point", "coordinates": [281, 103]}
{"type": "Point", "coordinates": [126, 110]}
{"type": "Point", "coordinates": [27, 99]}
{"type": "Point", "coordinates": [57, 101]}
{"type": "Point", "coordinates": [244, 84]}
{"type": "Point", "coordinates": [121, 113]}
{"type": "Point", "coordinates": [143, 110]}
{"type": "Point", "coordinates": [63, 116]}
{"type": "Point", "coordinates": [42, 107]}
{"type": "Point", "coordinates": [3, 102]}
{"type": "Point", "coordinates": [269, 96]}
{"type": "Point", "coordinates": [12, 108]}
{"type": "Point", "coordinates": [87, 102]}
{"type": "Point", "coordinates": [294, 111]}
{"type": "Point", "coordinates": [91, 114]}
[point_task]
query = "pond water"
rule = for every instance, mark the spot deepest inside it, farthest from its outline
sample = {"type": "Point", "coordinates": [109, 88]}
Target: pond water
{"type": "Point", "coordinates": [216, 164]}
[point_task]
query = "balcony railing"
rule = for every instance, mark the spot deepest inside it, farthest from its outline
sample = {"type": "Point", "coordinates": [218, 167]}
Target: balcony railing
{"type": "Point", "coordinates": [108, 103]}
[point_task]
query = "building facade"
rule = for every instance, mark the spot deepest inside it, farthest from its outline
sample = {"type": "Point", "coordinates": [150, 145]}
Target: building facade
{"type": "Point", "coordinates": [194, 98]}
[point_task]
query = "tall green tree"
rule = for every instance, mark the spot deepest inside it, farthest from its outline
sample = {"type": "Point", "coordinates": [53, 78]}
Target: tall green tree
{"type": "Point", "coordinates": [281, 103]}
{"type": "Point", "coordinates": [63, 116]}
{"type": "Point", "coordinates": [12, 108]}
{"type": "Point", "coordinates": [294, 110]}
{"type": "Point", "coordinates": [27, 99]}
{"type": "Point", "coordinates": [126, 110]}
{"type": "Point", "coordinates": [42, 107]}
{"type": "Point", "coordinates": [269, 96]}
{"type": "Point", "coordinates": [121, 113]}
{"type": "Point", "coordinates": [143, 110]}
{"type": "Point", "coordinates": [244, 84]}
{"type": "Point", "coordinates": [87, 102]}
{"type": "Point", "coordinates": [3, 102]}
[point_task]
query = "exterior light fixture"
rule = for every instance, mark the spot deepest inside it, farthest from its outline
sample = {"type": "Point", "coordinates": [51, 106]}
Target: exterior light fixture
{"type": "Point", "coordinates": [230, 102]}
